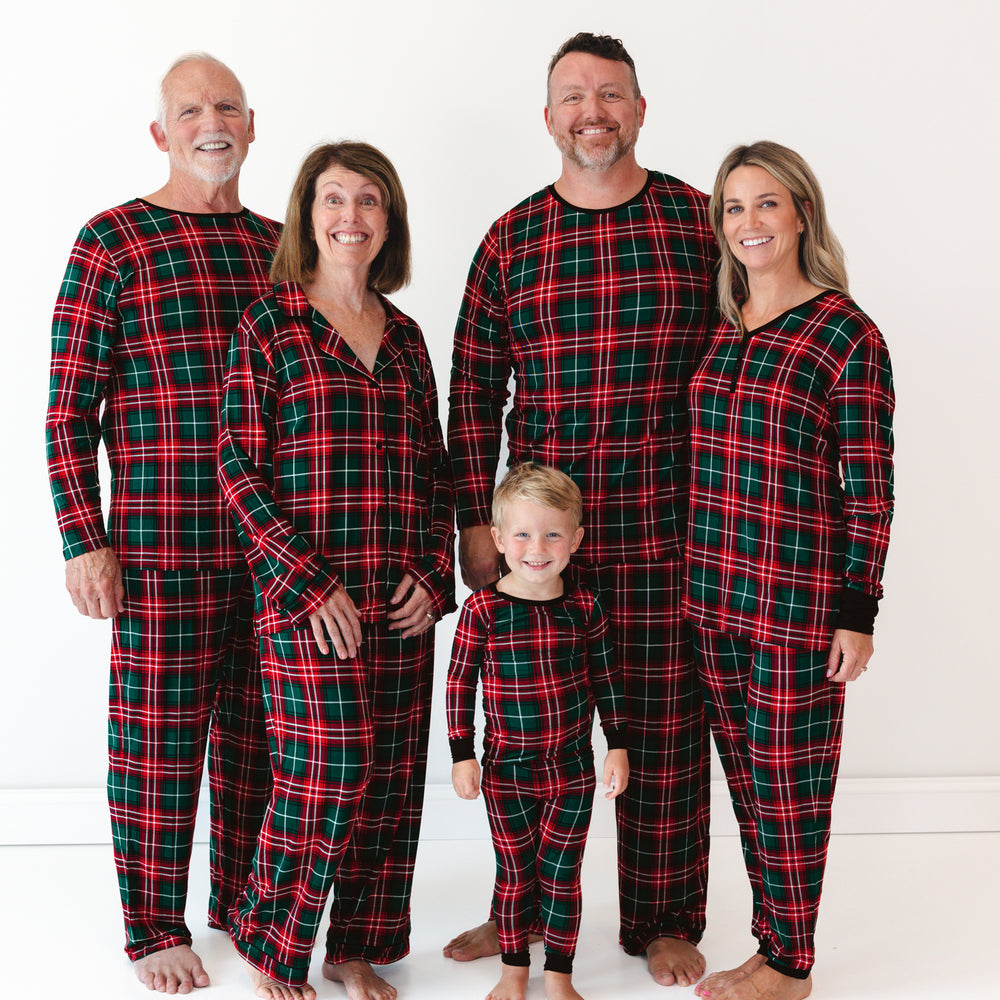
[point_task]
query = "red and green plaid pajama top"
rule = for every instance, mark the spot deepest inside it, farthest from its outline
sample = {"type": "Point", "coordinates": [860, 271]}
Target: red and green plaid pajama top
{"type": "Point", "coordinates": [143, 319]}
{"type": "Point", "coordinates": [336, 475]}
{"type": "Point", "coordinates": [601, 317]}
{"type": "Point", "coordinates": [791, 500]}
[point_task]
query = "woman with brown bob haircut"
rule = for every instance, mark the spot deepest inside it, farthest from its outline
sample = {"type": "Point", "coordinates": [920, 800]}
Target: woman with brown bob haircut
{"type": "Point", "coordinates": [333, 464]}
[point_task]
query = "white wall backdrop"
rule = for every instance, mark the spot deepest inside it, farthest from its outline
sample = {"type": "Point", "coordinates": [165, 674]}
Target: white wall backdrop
{"type": "Point", "coordinates": [892, 103]}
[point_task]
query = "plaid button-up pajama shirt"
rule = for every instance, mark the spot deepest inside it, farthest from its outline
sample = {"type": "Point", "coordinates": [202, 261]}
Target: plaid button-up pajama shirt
{"type": "Point", "coordinates": [141, 326]}
{"type": "Point", "coordinates": [544, 666]}
{"type": "Point", "coordinates": [602, 316]}
{"type": "Point", "coordinates": [336, 475]}
{"type": "Point", "coordinates": [791, 500]}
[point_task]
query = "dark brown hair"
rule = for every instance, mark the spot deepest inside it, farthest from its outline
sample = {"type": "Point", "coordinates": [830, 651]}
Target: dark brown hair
{"type": "Point", "coordinates": [602, 46]}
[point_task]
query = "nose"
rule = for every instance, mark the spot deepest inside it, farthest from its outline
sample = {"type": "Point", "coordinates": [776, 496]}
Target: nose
{"type": "Point", "coordinates": [751, 216]}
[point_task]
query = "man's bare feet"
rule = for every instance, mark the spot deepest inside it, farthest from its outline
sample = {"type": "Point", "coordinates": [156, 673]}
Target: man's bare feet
{"type": "Point", "coordinates": [559, 986]}
{"type": "Point", "coordinates": [266, 988]}
{"type": "Point", "coordinates": [479, 942]}
{"type": "Point", "coordinates": [359, 980]}
{"type": "Point", "coordinates": [719, 981]}
{"type": "Point", "coordinates": [764, 983]}
{"type": "Point", "coordinates": [512, 985]}
{"type": "Point", "coordinates": [171, 970]}
{"type": "Point", "coordinates": [674, 961]}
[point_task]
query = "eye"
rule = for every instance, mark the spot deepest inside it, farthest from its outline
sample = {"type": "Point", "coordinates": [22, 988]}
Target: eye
{"type": "Point", "coordinates": [734, 209]}
{"type": "Point", "coordinates": [571, 99]}
{"type": "Point", "coordinates": [368, 200]}
{"type": "Point", "coordinates": [611, 95]}
{"type": "Point", "coordinates": [188, 111]}
{"type": "Point", "coordinates": [768, 204]}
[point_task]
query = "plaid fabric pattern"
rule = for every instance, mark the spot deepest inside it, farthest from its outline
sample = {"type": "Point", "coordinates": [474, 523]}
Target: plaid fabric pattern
{"type": "Point", "coordinates": [601, 315]}
{"type": "Point", "coordinates": [335, 475]}
{"type": "Point", "coordinates": [141, 325]}
{"type": "Point", "coordinates": [184, 674]}
{"type": "Point", "coordinates": [544, 665]}
{"type": "Point", "coordinates": [777, 723]}
{"type": "Point", "coordinates": [663, 814]}
{"type": "Point", "coordinates": [775, 537]}
{"type": "Point", "coordinates": [539, 816]}
{"type": "Point", "coordinates": [348, 751]}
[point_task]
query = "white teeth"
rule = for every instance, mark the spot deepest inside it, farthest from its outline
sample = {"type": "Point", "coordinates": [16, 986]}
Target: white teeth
{"type": "Point", "coordinates": [214, 145]}
{"type": "Point", "coordinates": [350, 238]}
{"type": "Point", "coordinates": [756, 242]}
{"type": "Point", "coordinates": [593, 131]}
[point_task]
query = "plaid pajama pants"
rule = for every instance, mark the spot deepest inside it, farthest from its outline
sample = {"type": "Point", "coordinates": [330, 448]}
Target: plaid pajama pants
{"type": "Point", "coordinates": [663, 815]}
{"type": "Point", "coordinates": [184, 675]}
{"type": "Point", "coordinates": [348, 753]}
{"type": "Point", "coordinates": [777, 723]}
{"type": "Point", "coordinates": [539, 815]}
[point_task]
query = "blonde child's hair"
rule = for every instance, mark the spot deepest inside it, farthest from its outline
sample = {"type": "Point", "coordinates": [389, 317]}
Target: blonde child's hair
{"type": "Point", "coordinates": [539, 484]}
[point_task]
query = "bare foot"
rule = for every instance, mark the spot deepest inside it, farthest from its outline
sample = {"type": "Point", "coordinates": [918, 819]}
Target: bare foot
{"type": "Point", "coordinates": [765, 984]}
{"type": "Point", "coordinates": [559, 986]}
{"type": "Point", "coordinates": [479, 942]}
{"type": "Point", "coordinates": [513, 983]}
{"type": "Point", "coordinates": [359, 980]}
{"type": "Point", "coordinates": [719, 981]}
{"type": "Point", "coordinates": [171, 970]}
{"type": "Point", "coordinates": [268, 989]}
{"type": "Point", "coordinates": [674, 961]}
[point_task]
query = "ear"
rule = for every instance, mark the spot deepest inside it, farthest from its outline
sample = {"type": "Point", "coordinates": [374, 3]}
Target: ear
{"type": "Point", "coordinates": [159, 137]}
{"type": "Point", "coordinates": [808, 206]}
{"type": "Point", "coordinates": [251, 135]}
{"type": "Point", "coordinates": [641, 103]}
{"type": "Point", "coordinates": [577, 538]}
{"type": "Point", "coordinates": [496, 538]}
{"type": "Point", "coordinates": [548, 120]}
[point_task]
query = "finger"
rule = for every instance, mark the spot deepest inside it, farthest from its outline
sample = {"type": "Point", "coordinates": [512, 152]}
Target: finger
{"type": "Point", "coordinates": [833, 661]}
{"type": "Point", "coordinates": [340, 635]}
{"type": "Point", "coordinates": [416, 603]}
{"type": "Point", "coordinates": [400, 592]}
{"type": "Point", "coordinates": [316, 621]}
{"type": "Point", "coordinates": [348, 615]}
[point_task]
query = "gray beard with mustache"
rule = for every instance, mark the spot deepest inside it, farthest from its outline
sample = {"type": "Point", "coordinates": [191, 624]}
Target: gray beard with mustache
{"type": "Point", "coordinates": [621, 145]}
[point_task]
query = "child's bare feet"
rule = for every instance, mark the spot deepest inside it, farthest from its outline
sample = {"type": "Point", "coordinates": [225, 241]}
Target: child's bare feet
{"type": "Point", "coordinates": [672, 961]}
{"type": "Point", "coordinates": [359, 980]}
{"type": "Point", "coordinates": [764, 983]}
{"type": "Point", "coordinates": [559, 986]}
{"type": "Point", "coordinates": [512, 985]}
{"type": "Point", "coordinates": [171, 970]}
{"type": "Point", "coordinates": [718, 981]}
{"type": "Point", "coordinates": [267, 989]}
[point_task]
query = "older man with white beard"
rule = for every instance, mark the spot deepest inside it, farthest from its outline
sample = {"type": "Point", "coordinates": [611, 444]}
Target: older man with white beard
{"type": "Point", "coordinates": [142, 323]}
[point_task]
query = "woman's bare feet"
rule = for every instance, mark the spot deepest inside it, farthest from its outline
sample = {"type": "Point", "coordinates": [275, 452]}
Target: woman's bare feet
{"type": "Point", "coordinates": [559, 986]}
{"type": "Point", "coordinates": [672, 961]}
{"type": "Point", "coordinates": [719, 981]}
{"type": "Point", "coordinates": [512, 985]}
{"type": "Point", "coordinates": [268, 989]}
{"type": "Point", "coordinates": [359, 980]}
{"type": "Point", "coordinates": [764, 983]}
{"type": "Point", "coordinates": [171, 970]}
{"type": "Point", "coordinates": [479, 942]}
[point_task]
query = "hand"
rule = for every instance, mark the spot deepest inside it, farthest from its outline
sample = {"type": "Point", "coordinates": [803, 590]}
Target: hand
{"type": "Point", "coordinates": [615, 773]}
{"type": "Point", "coordinates": [343, 624]}
{"type": "Point", "coordinates": [417, 614]}
{"type": "Point", "coordinates": [94, 582]}
{"type": "Point", "coordinates": [465, 778]}
{"type": "Point", "coordinates": [478, 556]}
{"type": "Point", "coordinates": [849, 655]}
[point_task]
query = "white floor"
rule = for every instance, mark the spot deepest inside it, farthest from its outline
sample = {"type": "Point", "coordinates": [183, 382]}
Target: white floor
{"type": "Point", "coordinates": [905, 917]}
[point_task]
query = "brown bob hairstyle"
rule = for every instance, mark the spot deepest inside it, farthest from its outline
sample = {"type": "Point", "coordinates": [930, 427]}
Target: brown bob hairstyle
{"type": "Point", "coordinates": [296, 256]}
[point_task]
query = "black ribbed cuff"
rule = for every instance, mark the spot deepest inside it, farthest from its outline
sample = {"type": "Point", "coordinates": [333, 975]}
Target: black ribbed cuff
{"type": "Point", "coordinates": [522, 959]}
{"type": "Point", "coordinates": [463, 748]}
{"type": "Point", "coordinates": [857, 611]}
{"type": "Point", "coordinates": [557, 962]}
{"type": "Point", "coordinates": [617, 737]}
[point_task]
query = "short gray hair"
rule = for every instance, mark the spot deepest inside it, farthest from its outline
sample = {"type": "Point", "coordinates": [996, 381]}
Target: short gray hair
{"type": "Point", "coordinates": [161, 101]}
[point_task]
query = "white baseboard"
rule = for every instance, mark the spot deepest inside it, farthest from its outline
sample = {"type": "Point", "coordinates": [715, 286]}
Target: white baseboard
{"type": "Point", "coordinates": [863, 805]}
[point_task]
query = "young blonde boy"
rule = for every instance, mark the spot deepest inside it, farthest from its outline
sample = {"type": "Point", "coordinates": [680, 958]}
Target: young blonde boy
{"type": "Point", "coordinates": [542, 646]}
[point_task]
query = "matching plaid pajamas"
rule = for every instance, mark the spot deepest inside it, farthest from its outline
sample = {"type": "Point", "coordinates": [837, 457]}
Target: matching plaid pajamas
{"type": "Point", "coordinates": [791, 500]}
{"type": "Point", "coordinates": [602, 315]}
{"type": "Point", "coordinates": [336, 475]}
{"type": "Point", "coordinates": [544, 665]}
{"type": "Point", "coordinates": [141, 326]}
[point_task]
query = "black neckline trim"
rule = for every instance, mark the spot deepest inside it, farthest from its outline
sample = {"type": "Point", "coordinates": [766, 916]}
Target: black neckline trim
{"type": "Point", "coordinates": [514, 599]}
{"type": "Point", "coordinates": [598, 211]}
{"type": "Point", "coordinates": [781, 316]}
{"type": "Point", "coordinates": [198, 215]}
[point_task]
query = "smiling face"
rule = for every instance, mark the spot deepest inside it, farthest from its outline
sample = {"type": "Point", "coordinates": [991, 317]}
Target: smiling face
{"type": "Point", "coordinates": [206, 128]}
{"type": "Point", "coordinates": [537, 542]}
{"type": "Point", "coordinates": [761, 223]}
{"type": "Point", "coordinates": [593, 112]}
{"type": "Point", "coordinates": [350, 221]}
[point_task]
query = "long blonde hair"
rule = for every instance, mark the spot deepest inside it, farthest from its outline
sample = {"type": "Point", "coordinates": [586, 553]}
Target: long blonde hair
{"type": "Point", "coordinates": [821, 257]}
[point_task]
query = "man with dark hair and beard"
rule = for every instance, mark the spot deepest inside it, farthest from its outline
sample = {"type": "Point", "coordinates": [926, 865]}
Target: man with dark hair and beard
{"type": "Point", "coordinates": [596, 293]}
